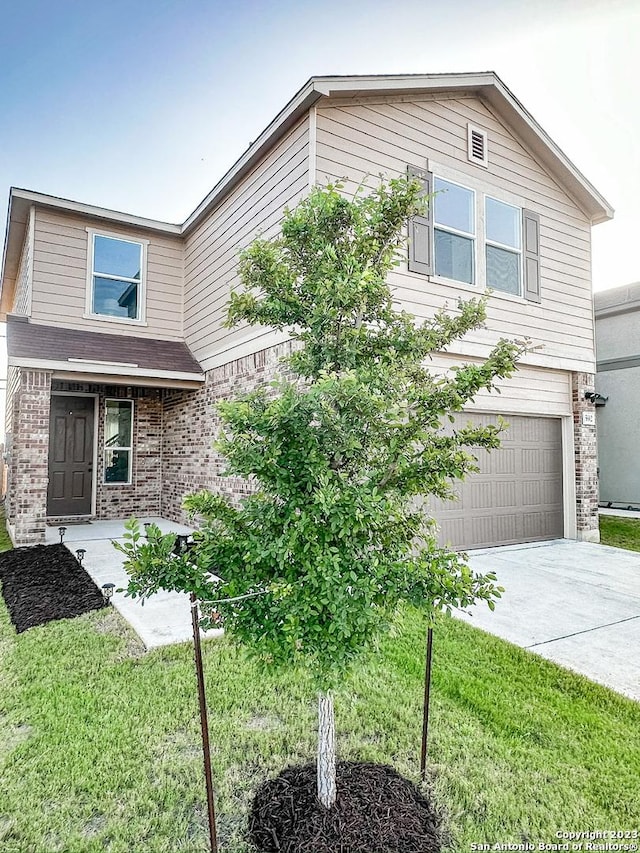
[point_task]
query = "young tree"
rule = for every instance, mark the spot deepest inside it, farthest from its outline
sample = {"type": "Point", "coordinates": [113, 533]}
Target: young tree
{"type": "Point", "coordinates": [312, 566]}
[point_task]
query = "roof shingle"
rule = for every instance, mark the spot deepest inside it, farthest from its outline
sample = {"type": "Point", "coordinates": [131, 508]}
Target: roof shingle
{"type": "Point", "coordinates": [51, 343]}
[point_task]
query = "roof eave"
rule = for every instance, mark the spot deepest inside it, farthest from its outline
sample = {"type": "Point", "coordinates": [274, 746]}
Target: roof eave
{"type": "Point", "coordinates": [286, 118]}
{"type": "Point", "coordinates": [58, 366]}
{"type": "Point", "coordinates": [490, 87]}
{"type": "Point", "coordinates": [486, 84]}
{"type": "Point", "coordinates": [17, 219]}
{"type": "Point", "coordinates": [103, 213]}
{"type": "Point", "coordinates": [594, 204]}
{"type": "Point", "coordinates": [21, 200]}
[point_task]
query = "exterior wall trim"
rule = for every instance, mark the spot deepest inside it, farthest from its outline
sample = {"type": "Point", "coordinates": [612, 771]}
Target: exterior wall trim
{"type": "Point", "coordinates": [32, 242]}
{"type": "Point", "coordinates": [569, 478]}
{"type": "Point", "coordinates": [621, 363]}
{"type": "Point", "coordinates": [615, 310]}
{"type": "Point", "coordinates": [313, 145]}
{"type": "Point", "coordinates": [241, 349]}
{"type": "Point", "coordinates": [469, 349]}
{"type": "Point", "coordinates": [97, 367]}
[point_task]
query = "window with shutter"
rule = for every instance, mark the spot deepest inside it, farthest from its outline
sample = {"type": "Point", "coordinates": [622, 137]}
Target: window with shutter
{"type": "Point", "coordinates": [503, 246]}
{"type": "Point", "coordinates": [473, 238]}
{"type": "Point", "coordinates": [454, 231]}
{"type": "Point", "coordinates": [420, 228]}
{"type": "Point", "coordinates": [531, 230]}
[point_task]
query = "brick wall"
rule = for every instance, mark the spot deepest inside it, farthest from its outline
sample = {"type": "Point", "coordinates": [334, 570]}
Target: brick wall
{"type": "Point", "coordinates": [142, 496]}
{"type": "Point", "coordinates": [174, 432]}
{"type": "Point", "coordinates": [189, 462]}
{"type": "Point", "coordinates": [28, 474]}
{"type": "Point", "coordinates": [586, 459]}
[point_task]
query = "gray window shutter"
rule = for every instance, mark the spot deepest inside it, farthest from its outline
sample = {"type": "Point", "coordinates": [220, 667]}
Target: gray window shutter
{"type": "Point", "coordinates": [420, 231]}
{"type": "Point", "coordinates": [531, 246]}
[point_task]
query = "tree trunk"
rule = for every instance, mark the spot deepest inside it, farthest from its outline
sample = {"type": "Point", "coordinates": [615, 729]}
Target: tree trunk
{"type": "Point", "coordinates": [326, 750]}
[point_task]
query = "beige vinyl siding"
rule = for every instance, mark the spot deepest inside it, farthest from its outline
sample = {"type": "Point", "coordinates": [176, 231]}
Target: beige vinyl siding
{"type": "Point", "coordinates": [22, 300]}
{"type": "Point", "coordinates": [60, 277]}
{"type": "Point", "coordinates": [376, 135]}
{"type": "Point", "coordinates": [530, 391]}
{"type": "Point", "coordinates": [211, 252]}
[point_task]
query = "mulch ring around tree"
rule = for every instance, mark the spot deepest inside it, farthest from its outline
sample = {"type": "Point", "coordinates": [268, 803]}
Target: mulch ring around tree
{"type": "Point", "coordinates": [376, 811]}
{"type": "Point", "coordinates": [43, 583]}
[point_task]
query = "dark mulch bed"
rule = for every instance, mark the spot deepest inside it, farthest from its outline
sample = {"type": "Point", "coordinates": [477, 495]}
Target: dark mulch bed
{"type": "Point", "coordinates": [43, 583]}
{"type": "Point", "coordinates": [376, 811]}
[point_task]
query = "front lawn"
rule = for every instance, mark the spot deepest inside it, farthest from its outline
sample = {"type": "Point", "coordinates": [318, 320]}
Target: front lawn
{"type": "Point", "coordinates": [620, 532]}
{"type": "Point", "coordinates": [100, 748]}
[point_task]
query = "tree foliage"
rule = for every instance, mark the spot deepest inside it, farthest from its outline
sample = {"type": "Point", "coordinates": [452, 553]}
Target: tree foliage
{"type": "Point", "coordinates": [342, 453]}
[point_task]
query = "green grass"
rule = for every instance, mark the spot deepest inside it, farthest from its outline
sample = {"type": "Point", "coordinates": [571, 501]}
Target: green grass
{"type": "Point", "coordinates": [100, 749]}
{"type": "Point", "coordinates": [620, 532]}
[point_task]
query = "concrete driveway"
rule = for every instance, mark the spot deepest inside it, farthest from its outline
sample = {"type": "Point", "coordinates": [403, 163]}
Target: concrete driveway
{"type": "Point", "coordinates": [575, 603]}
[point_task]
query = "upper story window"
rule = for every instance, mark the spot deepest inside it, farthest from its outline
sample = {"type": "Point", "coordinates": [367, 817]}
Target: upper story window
{"type": "Point", "coordinates": [116, 277]}
{"type": "Point", "coordinates": [470, 237]}
{"type": "Point", "coordinates": [455, 231]}
{"type": "Point", "coordinates": [503, 246]}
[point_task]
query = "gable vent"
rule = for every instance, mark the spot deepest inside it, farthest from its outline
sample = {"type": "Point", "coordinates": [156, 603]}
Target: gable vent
{"type": "Point", "coordinates": [477, 145]}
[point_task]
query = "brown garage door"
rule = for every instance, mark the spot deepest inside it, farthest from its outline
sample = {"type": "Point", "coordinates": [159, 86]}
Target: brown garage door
{"type": "Point", "coordinates": [517, 496]}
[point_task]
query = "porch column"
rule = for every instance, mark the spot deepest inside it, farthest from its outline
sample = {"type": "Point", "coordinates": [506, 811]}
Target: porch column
{"type": "Point", "coordinates": [29, 458]}
{"type": "Point", "coordinates": [586, 458]}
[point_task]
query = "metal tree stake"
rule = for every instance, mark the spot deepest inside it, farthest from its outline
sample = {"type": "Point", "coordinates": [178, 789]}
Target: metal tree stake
{"type": "Point", "coordinates": [204, 724]}
{"type": "Point", "coordinates": [425, 710]}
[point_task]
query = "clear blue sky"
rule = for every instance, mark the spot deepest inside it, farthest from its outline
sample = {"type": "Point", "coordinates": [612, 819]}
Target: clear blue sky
{"type": "Point", "coordinates": [142, 105]}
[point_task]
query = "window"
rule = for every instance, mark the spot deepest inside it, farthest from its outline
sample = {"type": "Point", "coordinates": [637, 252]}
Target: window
{"type": "Point", "coordinates": [473, 238]}
{"type": "Point", "coordinates": [455, 231]}
{"type": "Point", "coordinates": [118, 441]}
{"type": "Point", "coordinates": [503, 244]}
{"type": "Point", "coordinates": [116, 277]}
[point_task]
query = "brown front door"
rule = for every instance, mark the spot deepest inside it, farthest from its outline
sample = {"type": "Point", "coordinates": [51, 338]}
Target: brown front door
{"type": "Point", "coordinates": [70, 455]}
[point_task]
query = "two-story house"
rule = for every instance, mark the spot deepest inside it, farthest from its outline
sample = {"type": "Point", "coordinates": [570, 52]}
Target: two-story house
{"type": "Point", "coordinates": [116, 338]}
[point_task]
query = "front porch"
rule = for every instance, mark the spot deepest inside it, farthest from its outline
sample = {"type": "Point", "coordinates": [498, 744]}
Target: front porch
{"type": "Point", "coordinates": [86, 425]}
{"type": "Point", "coordinates": [165, 618]}
{"type": "Point", "coordinates": [88, 451]}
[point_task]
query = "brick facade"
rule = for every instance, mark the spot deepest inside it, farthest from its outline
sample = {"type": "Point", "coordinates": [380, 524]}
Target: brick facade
{"type": "Point", "coordinates": [28, 457]}
{"type": "Point", "coordinates": [142, 496]}
{"type": "Point", "coordinates": [28, 454]}
{"type": "Point", "coordinates": [174, 432]}
{"type": "Point", "coordinates": [189, 461]}
{"type": "Point", "coordinates": [586, 459]}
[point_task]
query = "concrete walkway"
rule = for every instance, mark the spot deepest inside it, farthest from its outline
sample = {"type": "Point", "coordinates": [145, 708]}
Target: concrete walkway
{"type": "Point", "coordinates": [575, 603]}
{"type": "Point", "coordinates": [164, 618]}
{"type": "Point", "coordinates": [622, 513]}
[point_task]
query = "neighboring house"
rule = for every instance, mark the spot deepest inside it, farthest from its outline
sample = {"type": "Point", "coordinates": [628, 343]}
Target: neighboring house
{"type": "Point", "coordinates": [617, 315]}
{"type": "Point", "coordinates": [116, 336]}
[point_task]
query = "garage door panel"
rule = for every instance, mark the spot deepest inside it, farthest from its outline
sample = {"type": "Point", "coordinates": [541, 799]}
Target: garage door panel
{"type": "Point", "coordinates": [541, 492]}
{"type": "Point", "coordinates": [502, 494]}
{"type": "Point", "coordinates": [517, 496]}
{"type": "Point", "coordinates": [505, 462]}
